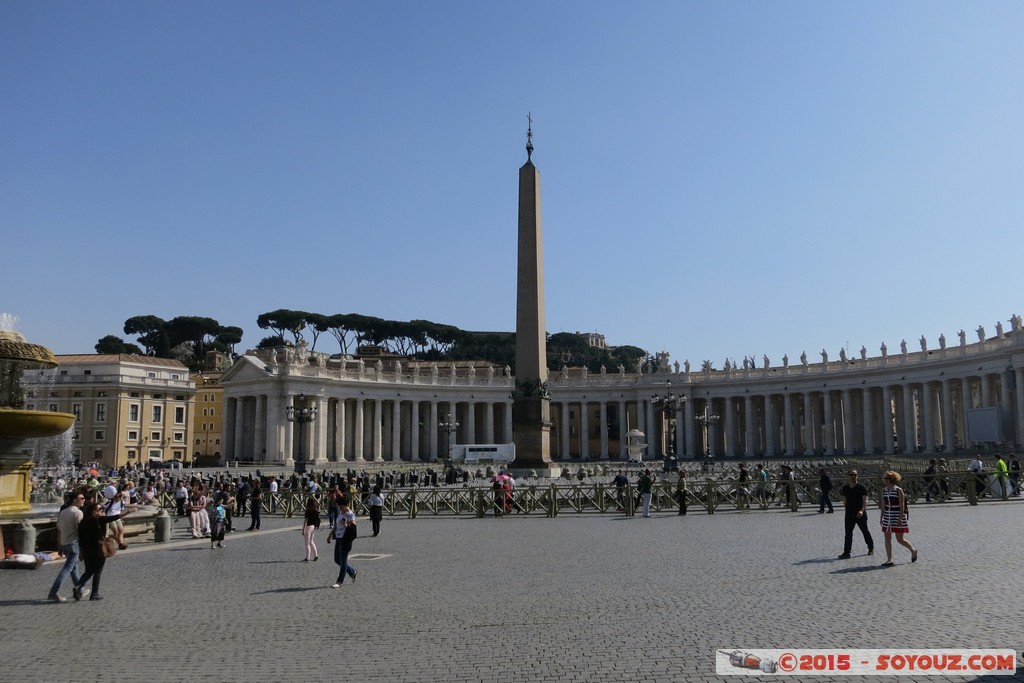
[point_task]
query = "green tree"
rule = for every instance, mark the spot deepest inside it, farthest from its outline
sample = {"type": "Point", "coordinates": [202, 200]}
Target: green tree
{"type": "Point", "coordinates": [283, 321]}
{"type": "Point", "coordinates": [229, 336]}
{"type": "Point", "coordinates": [272, 342]}
{"type": "Point", "coordinates": [113, 345]}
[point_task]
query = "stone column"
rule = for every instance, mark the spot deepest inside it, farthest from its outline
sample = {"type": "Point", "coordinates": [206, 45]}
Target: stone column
{"type": "Point", "coordinates": [622, 429]}
{"type": "Point", "coordinates": [909, 423]}
{"type": "Point", "coordinates": [339, 430]}
{"type": "Point", "coordinates": [652, 442]}
{"type": "Point", "coordinates": [809, 440]}
{"type": "Point", "coordinates": [787, 415]}
{"type": "Point", "coordinates": [966, 403]}
{"type": "Point", "coordinates": [986, 391]}
{"type": "Point", "coordinates": [1019, 376]}
{"type": "Point", "coordinates": [689, 426]}
{"type": "Point", "coordinates": [289, 435]}
{"type": "Point", "coordinates": [259, 445]}
{"type": "Point", "coordinates": [828, 435]}
{"type": "Point", "coordinates": [603, 426]}
{"type": "Point", "coordinates": [359, 424]}
{"type": "Point", "coordinates": [680, 441]}
{"type": "Point", "coordinates": [414, 431]}
{"type": "Point", "coordinates": [566, 452]}
{"type": "Point", "coordinates": [508, 423]}
{"type": "Point", "coordinates": [471, 422]}
{"type": "Point", "coordinates": [396, 430]}
{"type": "Point", "coordinates": [887, 419]}
{"type": "Point", "coordinates": [1005, 414]}
{"type": "Point", "coordinates": [239, 440]}
{"type": "Point", "coordinates": [376, 433]}
{"type": "Point", "coordinates": [927, 416]}
{"type": "Point", "coordinates": [748, 428]}
{"type": "Point", "coordinates": [730, 425]}
{"type": "Point", "coordinates": [230, 410]}
{"type": "Point", "coordinates": [584, 430]}
{"type": "Point", "coordinates": [948, 433]}
{"type": "Point", "coordinates": [847, 422]}
{"type": "Point", "coordinates": [869, 421]}
{"type": "Point", "coordinates": [431, 454]}
{"type": "Point", "coordinates": [770, 432]}
{"type": "Point", "coordinates": [320, 440]}
{"type": "Point", "coordinates": [489, 422]}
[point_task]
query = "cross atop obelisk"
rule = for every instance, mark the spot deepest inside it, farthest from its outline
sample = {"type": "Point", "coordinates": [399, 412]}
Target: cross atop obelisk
{"type": "Point", "coordinates": [531, 409]}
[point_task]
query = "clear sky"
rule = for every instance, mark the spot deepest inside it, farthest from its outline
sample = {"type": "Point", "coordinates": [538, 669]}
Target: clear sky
{"type": "Point", "coordinates": [720, 179]}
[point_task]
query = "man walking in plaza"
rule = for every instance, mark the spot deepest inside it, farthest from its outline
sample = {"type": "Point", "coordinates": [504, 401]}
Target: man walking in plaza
{"type": "Point", "coordinates": [645, 485]}
{"type": "Point", "coordinates": [825, 489]}
{"type": "Point", "coordinates": [620, 482]}
{"type": "Point", "coordinates": [67, 540]}
{"type": "Point", "coordinates": [855, 500]}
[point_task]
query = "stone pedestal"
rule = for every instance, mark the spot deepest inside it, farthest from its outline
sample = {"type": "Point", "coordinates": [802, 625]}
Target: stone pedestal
{"type": "Point", "coordinates": [15, 478]}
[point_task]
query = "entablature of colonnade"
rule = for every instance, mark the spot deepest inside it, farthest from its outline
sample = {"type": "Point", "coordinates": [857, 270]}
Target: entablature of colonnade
{"type": "Point", "coordinates": [988, 357]}
{"type": "Point", "coordinates": [286, 371]}
{"type": "Point", "coordinates": [276, 371]}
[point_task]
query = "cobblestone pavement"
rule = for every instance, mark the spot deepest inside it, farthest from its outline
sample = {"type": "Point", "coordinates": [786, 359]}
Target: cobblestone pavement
{"type": "Point", "coordinates": [577, 598]}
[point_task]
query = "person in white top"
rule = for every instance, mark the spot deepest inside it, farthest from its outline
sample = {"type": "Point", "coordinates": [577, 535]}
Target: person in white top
{"type": "Point", "coordinates": [273, 494]}
{"type": "Point", "coordinates": [67, 540]}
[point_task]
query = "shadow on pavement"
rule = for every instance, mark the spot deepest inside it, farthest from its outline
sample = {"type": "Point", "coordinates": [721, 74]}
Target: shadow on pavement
{"type": "Point", "coordinates": [290, 590]}
{"type": "Point", "coordinates": [854, 570]}
{"type": "Point", "coordinates": [816, 560]}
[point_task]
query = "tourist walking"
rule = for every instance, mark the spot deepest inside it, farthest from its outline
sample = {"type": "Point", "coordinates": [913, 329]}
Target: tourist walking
{"type": "Point", "coordinates": [620, 482]}
{"type": "Point", "coordinates": [376, 504]}
{"type": "Point", "coordinates": [117, 503]}
{"type": "Point", "coordinates": [219, 525]}
{"type": "Point", "coordinates": [681, 491]}
{"type": "Point", "coordinates": [67, 541]}
{"type": "Point", "coordinates": [894, 516]}
{"type": "Point", "coordinates": [91, 531]}
{"type": "Point", "coordinates": [1002, 476]}
{"type": "Point", "coordinates": [310, 524]}
{"type": "Point", "coordinates": [255, 501]}
{"type": "Point", "coordinates": [855, 500]}
{"type": "Point", "coordinates": [645, 486]}
{"type": "Point", "coordinates": [931, 487]}
{"type": "Point", "coordinates": [1015, 476]}
{"type": "Point", "coordinates": [743, 488]}
{"type": "Point", "coordinates": [825, 491]}
{"type": "Point", "coordinates": [344, 531]}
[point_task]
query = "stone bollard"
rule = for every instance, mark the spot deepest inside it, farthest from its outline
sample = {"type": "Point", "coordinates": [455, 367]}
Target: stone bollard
{"type": "Point", "coordinates": [162, 527]}
{"type": "Point", "coordinates": [23, 538]}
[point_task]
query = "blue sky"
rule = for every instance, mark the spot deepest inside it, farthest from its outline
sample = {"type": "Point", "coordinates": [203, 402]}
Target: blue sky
{"type": "Point", "coordinates": [720, 179]}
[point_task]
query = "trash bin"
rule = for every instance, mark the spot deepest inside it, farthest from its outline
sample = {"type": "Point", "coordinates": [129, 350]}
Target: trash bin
{"type": "Point", "coordinates": [23, 538]}
{"type": "Point", "coordinates": [162, 527]}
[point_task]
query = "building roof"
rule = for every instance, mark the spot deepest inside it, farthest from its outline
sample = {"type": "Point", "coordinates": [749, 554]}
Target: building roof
{"type": "Point", "coordinates": [71, 359]}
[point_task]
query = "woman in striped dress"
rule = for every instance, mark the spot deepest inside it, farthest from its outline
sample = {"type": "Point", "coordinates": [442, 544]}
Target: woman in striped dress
{"type": "Point", "coordinates": [894, 516]}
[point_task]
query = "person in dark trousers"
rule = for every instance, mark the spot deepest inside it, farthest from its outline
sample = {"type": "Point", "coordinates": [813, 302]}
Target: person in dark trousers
{"type": "Point", "coordinates": [255, 502]}
{"type": "Point", "coordinates": [241, 498]}
{"type": "Point", "coordinates": [344, 531]}
{"type": "Point", "coordinates": [91, 531]}
{"type": "Point", "coordinates": [825, 489]}
{"type": "Point", "coordinates": [376, 505]}
{"type": "Point", "coordinates": [855, 500]}
{"type": "Point", "coordinates": [681, 491]}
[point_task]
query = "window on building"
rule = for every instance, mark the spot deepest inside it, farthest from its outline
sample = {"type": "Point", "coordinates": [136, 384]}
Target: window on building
{"type": "Point", "coordinates": [155, 454]}
{"type": "Point", "coordinates": [133, 412]}
{"type": "Point", "coordinates": [76, 436]}
{"type": "Point", "coordinates": [155, 436]}
{"type": "Point", "coordinates": [173, 376]}
{"type": "Point", "coordinates": [53, 407]}
{"type": "Point", "coordinates": [134, 394]}
{"type": "Point", "coordinates": [99, 435]}
{"type": "Point", "coordinates": [97, 454]}
{"type": "Point", "coordinates": [63, 373]}
{"type": "Point", "coordinates": [205, 413]}
{"type": "Point", "coordinates": [217, 441]}
{"type": "Point", "coordinates": [76, 408]}
{"type": "Point", "coordinates": [77, 394]}
{"type": "Point", "coordinates": [179, 415]}
{"type": "Point", "coordinates": [87, 372]}
{"type": "Point", "coordinates": [133, 435]}
{"type": "Point", "coordinates": [101, 412]}
{"type": "Point", "coordinates": [158, 413]}
{"type": "Point", "coordinates": [131, 453]}
{"type": "Point", "coordinates": [101, 394]}
{"type": "Point", "coordinates": [198, 441]}
{"type": "Point", "coordinates": [212, 411]}
{"type": "Point", "coordinates": [151, 374]}
{"type": "Point", "coordinates": [179, 436]}
{"type": "Point", "coordinates": [179, 398]}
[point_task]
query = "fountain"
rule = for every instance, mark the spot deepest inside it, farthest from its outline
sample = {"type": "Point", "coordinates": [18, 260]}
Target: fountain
{"type": "Point", "coordinates": [18, 425]}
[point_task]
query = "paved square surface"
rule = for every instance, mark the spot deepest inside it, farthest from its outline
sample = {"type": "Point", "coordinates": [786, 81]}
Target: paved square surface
{"type": "Point", "coordinates": [578, 598]}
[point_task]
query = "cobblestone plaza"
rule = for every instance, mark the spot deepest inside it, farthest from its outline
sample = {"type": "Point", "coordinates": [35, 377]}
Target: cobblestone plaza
{"type": "Point", "coordinates": [576, 598]}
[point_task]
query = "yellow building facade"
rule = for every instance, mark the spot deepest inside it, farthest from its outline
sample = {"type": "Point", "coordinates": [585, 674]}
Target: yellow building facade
{"type": "Point", "coordinates": [128, 408]}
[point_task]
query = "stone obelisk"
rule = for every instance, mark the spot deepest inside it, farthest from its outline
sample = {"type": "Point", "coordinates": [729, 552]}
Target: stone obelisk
{"type": "Point", "coordinates": [531, 409]}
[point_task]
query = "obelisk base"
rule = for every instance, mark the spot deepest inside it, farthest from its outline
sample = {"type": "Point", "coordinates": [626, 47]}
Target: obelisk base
{"type": "Point", "coordinates": [531, 433]}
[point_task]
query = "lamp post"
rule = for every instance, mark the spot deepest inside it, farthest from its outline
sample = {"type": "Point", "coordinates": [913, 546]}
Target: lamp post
{"type": "Point", "coordinates": [449, 426]}
{"type": "Point", "coordinates": [300, 414]}
{"type": "Point", "coordinates": [705, 420]}
{"type": "Point", "coordinates": [667, 405]}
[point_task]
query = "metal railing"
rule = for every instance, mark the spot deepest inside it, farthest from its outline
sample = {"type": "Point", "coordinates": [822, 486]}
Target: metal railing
{"type": "Point", "coordinates": [560, 499]}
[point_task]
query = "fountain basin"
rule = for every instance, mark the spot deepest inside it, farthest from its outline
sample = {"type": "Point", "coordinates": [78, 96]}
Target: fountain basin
{"type": "Point", "coordinates": [33, 424]}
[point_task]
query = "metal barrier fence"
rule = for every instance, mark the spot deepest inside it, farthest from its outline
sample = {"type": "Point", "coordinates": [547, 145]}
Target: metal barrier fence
{"type": "Point", "coordinates": [709, 496]}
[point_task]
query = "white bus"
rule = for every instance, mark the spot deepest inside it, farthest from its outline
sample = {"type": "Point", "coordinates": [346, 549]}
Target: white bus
{"type": "Point", "coordinates": [477, 453]}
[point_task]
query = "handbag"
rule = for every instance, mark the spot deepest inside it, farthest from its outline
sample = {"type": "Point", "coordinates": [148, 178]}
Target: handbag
{"type": "Point", "coordinates": [108, 547]}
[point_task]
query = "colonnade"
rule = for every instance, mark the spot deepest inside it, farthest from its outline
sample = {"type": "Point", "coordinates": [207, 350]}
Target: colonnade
{"type": "Point", "coordinates": [920, 407]}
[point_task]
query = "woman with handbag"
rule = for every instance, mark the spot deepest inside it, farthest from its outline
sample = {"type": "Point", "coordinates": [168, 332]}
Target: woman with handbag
{"type": "Point", "coordinates": [91, 532]}
{"type": "Point", "coordinates": [894, 516]}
